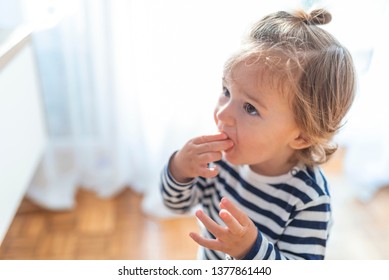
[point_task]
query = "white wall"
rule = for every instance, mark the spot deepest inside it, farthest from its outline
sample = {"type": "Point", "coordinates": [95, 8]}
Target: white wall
{"type": "Point", "coordinates": [22, 131]}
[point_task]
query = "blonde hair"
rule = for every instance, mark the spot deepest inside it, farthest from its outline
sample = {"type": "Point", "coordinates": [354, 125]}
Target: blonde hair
{"type": "Point", "coordinates": [307, 61]}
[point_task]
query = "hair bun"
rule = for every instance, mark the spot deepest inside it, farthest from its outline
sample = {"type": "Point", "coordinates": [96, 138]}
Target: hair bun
{"type": "Point", "coordinates": [315, 17]}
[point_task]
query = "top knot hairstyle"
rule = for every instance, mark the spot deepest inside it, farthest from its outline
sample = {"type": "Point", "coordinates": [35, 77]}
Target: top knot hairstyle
{"type": "Point", "coordinates": [315, 17]}
{"type": "Point", "coordinates": [314, 71]}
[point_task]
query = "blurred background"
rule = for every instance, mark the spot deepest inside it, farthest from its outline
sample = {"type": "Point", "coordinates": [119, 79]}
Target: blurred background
{"type": "Point", "coordinates": [118, 85]}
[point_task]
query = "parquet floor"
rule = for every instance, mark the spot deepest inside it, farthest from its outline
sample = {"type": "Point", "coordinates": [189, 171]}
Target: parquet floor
{"type": "Point", "coordinates": [97, 229]}
{"type": "Point", "coordinates": [116, 228]}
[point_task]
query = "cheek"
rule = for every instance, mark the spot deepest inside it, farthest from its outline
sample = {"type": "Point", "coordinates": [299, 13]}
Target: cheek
{"type": "Point", "coordinates": [253, 138]}
{"type": "Point", "coordinates": [248, 140]}
{"type": "Point", "coordinates": [215, 114]}
{"type": "Point", "coordinates": [217, 109]}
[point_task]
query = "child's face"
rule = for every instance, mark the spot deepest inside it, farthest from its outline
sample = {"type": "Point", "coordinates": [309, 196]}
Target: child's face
{"type": "Point", "coordinates": [259, 121]}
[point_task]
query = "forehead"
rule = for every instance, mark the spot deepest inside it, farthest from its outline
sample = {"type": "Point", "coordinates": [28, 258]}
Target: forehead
{"type": "Point", "coordinates": [252, 75]}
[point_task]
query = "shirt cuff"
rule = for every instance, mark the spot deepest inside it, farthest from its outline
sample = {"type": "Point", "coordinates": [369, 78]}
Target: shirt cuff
{"type": "Point", "coordinates": [170, 176]}
{"type": "Point", "coordinates": [255, 249]}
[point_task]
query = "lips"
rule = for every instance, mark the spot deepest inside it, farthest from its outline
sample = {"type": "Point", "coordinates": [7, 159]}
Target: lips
{"type": "Point", "coordinates": [229, 138]}
{"type": "Point", "coordinates": [229, 149]}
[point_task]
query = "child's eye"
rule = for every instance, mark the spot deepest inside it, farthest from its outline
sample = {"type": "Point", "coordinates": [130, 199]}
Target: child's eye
{"type": "Point", "coordinates": [250, 109]}
{"type": "Point", "coordinates": [226, 92]}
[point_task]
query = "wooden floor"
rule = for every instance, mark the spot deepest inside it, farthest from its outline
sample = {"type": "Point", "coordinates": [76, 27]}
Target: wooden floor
{"type": "Point", "coordinates": [97, 229]}
{"type": "Point", "coordinates": [116, 228]}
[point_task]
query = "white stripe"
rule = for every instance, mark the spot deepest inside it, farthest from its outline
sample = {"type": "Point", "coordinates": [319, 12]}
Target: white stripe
{"type": "Point", "coordinates": [302, 248]}
{"type": "Point", "coordinates": [304, 232]}
{"type": "Point", "coordinates": [262, 203]}
{"type": "Point", "coordinates": [314, 216]}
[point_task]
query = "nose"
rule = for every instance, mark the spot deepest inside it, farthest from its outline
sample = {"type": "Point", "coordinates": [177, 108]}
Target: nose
{"type": "Point", "coordinates": [224, 115]}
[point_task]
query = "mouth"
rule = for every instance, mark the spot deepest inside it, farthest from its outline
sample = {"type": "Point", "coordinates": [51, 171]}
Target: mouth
{"type": "Point", "coordinates": [228, 138]}
{"type": "Point", "coordinates": [228, 150]}
{"type": "Point", "coordinates": [220, 128]}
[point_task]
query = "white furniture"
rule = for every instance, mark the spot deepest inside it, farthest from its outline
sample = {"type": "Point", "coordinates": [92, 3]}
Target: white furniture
{"type": "Point", "coordinates": [22, 126]}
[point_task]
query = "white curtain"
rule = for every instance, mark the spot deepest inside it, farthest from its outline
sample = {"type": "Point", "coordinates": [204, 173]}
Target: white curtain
{"type": "Point", "coordinates": [367, 138]}
{"type": "Point", "coordinates": [125, 83]}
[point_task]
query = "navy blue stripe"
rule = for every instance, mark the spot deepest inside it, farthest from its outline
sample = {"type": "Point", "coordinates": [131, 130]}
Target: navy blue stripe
{"type": "Point", "coordinates": [306, 256]}
{"type": "Point", "coordinates": [208, 210]}
{"type": "Point", "coordinates": [209, 194]}
{"type": "Point", "coordinates": [266, 230]}
{"type": "Point", "coordinates": [217, 192]}
{"type": "Point", "coordinates": [173, 187]}
{"type": "Point", "coordinates": [325, 207]}
{"type": "Point", "coordinates": [271, 199]}
{"type": "Point", "coordinates": [309, 224]}
{"type": "Point", "coordinates": [208, 191]}
{"type": "Point", "coordinates": [309, 181]}
{"type": "Point", "coordinates": [177, 209]}
{"type": "Point", "coordinates": [180, 196]}
{"type": "Point", "coordinates": [268, 251]}
{"type": "Point", "coordinates": [311, 173]}
{"type": "Point", "coordinates": [207, 256]}
{"type": "Point", "coordinates": [325, 184]}
{"type": "Point", "coordinates": [293, 191]}
{"type": "Point", "coordinates": [212, 236]}
{"type": "Point", "coordinates": [202, 186]}
{"type": "Point", "coordinates": [255, 248]}
{"type": "Point", "coordinates": [278, 255]}
{"type": "Point", "coordinates": [174, 181]}
{"type": "Point", "coordinates": [207, 197]}
{"type": "Point", "coordinates": [202, 179]}
{"type": "Point", "coordinates": [215, 256]}
{"type": "Point", "coordinates": [216, 208]}
{"type": "Point", "coordinates": [303, 240]}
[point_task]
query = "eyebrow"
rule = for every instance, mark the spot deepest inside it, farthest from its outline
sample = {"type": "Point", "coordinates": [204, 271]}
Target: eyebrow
{"type": "Point", "coordinates": [248, 96]}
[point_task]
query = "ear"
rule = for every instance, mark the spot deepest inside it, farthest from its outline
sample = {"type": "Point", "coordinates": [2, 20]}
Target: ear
{"type": "Point", "coordinates": [300, 142]}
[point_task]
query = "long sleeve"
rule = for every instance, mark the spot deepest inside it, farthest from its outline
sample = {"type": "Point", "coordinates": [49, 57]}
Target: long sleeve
{"type": "Point", "coordinates": [304, 238]}
{"type": "Point", "coordinates": [179, 197]}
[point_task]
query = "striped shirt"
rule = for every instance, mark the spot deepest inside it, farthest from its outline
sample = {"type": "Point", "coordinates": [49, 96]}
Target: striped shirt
{"type": "Point", "coordinates": [292, 212]}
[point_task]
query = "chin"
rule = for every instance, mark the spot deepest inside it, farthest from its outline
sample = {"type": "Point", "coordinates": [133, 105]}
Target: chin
{"type": "Point", "coordinates": [231, 157]}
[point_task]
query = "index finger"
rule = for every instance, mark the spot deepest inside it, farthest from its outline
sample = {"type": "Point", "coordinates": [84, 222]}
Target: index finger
{"type": "Point", "coordinates": [231, 222]}
{"type": "Point", "coordinates": [210, 138]}
{"type": "Point", "coordinates": [237, 213]}
{"type": "Point", "coordinates": [210, 224]}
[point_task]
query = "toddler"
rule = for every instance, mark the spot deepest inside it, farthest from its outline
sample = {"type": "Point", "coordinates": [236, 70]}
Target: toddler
{"type": "Point", "coordinates": [258, 180]}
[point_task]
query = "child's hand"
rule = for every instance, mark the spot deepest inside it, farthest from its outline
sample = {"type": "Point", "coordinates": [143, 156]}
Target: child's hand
{"type": "Point", "coordinates": [236, 238]}
{"type": "Point", "coordinates": [193, 159]}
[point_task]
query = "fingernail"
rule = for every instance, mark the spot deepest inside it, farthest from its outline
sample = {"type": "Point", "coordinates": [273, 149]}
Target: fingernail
{"type": "Point", "coordinates": [221, 133]}
{"type": "Point", "coordinates": [223, 213]}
